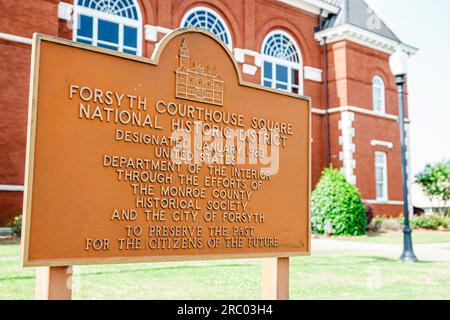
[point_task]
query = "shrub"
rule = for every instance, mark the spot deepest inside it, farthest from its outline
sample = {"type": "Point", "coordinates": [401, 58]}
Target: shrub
{"type": "Point", "coordinates": [430, 222]}
{"type": "Point", "coordinates": [16, 225]}
{"type": "Point", "coordinates": [446, 222]}
{"type": "Point", "coordinates": [337, 202]}
{"type": "Point", "coordinates": [426, 222]}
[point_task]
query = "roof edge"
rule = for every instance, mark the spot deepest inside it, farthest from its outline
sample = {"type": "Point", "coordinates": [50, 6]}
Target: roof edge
{"type": "Point", "coordinates": [363, 37]}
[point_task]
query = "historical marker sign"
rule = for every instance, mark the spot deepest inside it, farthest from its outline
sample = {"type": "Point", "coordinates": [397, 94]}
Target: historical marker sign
{"type": "Point", "coordinates": [174, 158]}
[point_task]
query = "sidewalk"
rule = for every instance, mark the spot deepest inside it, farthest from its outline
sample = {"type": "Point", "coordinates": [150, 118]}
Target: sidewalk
{"type": "Point", "coordinates": [438, 252]}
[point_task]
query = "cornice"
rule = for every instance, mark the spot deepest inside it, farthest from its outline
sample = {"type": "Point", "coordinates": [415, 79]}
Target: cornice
{"type": "Point", "coordinates": [363, 37]}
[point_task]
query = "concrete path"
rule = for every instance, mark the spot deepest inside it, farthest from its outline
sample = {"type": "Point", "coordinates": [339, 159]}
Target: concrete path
{"type": "Point", "coordinates": [8, 258]}
{"type": "Point", "coordinates": [439, 252]}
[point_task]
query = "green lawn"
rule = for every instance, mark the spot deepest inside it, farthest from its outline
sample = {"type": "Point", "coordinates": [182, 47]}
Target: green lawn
{"type": "Point", "coordinates": [321, 276]}
{"type": "Point", "coordinates": [419, 237]}
{"type": "Point", "coordinates": [9, 250]}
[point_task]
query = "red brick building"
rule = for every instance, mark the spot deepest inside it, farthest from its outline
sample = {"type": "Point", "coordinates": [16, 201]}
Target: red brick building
{"type": "Point", "coordinates": [335, 51]}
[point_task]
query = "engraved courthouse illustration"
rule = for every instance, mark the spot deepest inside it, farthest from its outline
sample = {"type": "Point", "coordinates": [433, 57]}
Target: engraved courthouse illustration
{"type": "Point", "coordinates": [197, 83]}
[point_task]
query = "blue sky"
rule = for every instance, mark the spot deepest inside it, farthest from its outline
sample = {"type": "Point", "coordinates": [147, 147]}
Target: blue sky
{"type": "Point", "coordinates": [426, 25]}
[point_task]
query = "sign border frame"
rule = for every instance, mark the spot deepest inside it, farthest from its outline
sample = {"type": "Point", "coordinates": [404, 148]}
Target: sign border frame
{"type": "Point", "coordinates": [154, 60]}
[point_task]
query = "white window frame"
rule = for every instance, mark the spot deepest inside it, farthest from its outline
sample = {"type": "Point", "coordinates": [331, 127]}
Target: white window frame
{"type": "Point", "coordinates": [289, 64]}
{"type": "Point", "coordinates": [216, 14]}
{"type": "Point", "coordinates": [384, 182]}
{"type": "Point", "coordinates": [378, 83]}
{"type": "Point", "coordinates": [121, 21]}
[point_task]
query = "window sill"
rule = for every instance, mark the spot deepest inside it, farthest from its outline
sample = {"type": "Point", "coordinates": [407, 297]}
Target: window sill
{"type": "Point", "coordinates": [384, 202]}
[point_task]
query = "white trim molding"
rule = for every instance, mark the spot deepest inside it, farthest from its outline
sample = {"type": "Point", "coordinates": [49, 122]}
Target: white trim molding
{"type": "Point", "coordinates": [239, 55]}
{"type": "Point", "coordinates": [313, 74]}
{"type": "Point", "coordinates": [249, 69]}
{"type": "Point", "coordinates": [151, 32]}
{"type": "Point", "coordinates": [14, 38]}
{"type": "Point", "coordinates": [362, 37]}
{"type": "Point", "coordinates": [313, 6]}
{"type": "Point", "coordinates": [318, 111]}
{"type": "Point", "coordinates": [381, 143]}
{"type": "Point", "coordinates": [65, 11]}
{"type": "Point", "coordinates": [390, 202]}
{"type": "Point", "coordinates": [7, 187]}
{"type": "Point", "coordinates": [348, 147]}
{"type": "Point", "coordinates": [358, 110]}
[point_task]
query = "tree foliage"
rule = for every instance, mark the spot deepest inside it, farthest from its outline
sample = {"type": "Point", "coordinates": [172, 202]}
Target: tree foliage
{"type": "Point", "coordinates": [16, 225]}
{"type": "Point", "coordinates": [337, 203]}
{"type": "Point", "coordinates": [435, 182]}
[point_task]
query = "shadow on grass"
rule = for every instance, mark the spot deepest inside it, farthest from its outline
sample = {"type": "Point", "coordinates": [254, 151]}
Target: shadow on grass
{"type": "Point", "coordinates": [346, 260]}
{"type": "Point", "coordinates": [387, 260]}
{"type": "Point", "coordinates": [168, 268]}
{"type": "Point", "coordinates": [326, 259]}
{"type": "Point", "coordinates": [17, 278]}
{"type": "Point", "coordinates": [148, 270]}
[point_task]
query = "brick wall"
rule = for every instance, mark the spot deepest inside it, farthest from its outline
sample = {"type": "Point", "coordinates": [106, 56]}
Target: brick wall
{"type": "Point", "coordinates": [351, 68]}
{"type": "Point", "coordinates": [14, 84]}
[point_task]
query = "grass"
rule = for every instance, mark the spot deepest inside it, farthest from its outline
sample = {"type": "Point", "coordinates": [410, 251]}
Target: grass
{"type": "Point", "coordinates": [316, 277]}
{"type": "Point", "coordinates": [419, 237]}
{"type": "Point", "coordinates": [9, 250]}
{"type": "Point", "coordinates": [321, 276]}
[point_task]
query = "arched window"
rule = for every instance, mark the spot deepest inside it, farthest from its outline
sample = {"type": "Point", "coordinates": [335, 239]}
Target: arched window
{"type": "Point", "coordinates": [378, 94]}
{"type": "Point", "coordinates": [282, 63]}
{"type": "Point", "coordinates": [207, 19]}
{"type": "Point", "coordinates": [110, 24]}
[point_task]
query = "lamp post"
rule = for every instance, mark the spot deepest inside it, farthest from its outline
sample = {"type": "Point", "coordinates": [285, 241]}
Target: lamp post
{"type": "Point", "coordinates": [399, 67]}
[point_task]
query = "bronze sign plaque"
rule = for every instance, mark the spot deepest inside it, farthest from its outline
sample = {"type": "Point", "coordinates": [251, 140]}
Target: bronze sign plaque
{"type": "Point", "coordinates": [174, 158]}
